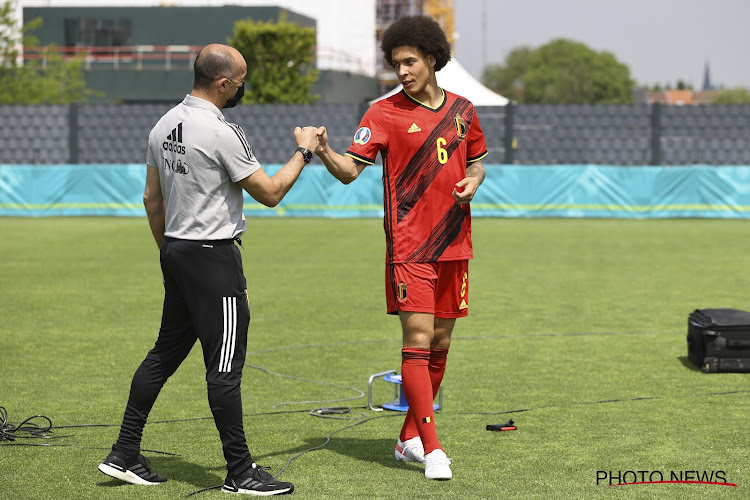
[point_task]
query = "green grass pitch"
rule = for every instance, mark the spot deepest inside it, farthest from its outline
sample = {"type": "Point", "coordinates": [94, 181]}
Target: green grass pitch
{"type": "Point", "coordinates": [564, 315]}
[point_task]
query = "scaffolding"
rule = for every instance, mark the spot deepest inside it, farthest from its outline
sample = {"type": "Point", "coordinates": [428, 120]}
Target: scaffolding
{"type": "Point", "coordinates": [388, 11]}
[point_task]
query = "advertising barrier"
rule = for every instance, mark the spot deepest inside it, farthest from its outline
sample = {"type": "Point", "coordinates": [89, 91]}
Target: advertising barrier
{"type": "Point", "coordinates": [508, 191]}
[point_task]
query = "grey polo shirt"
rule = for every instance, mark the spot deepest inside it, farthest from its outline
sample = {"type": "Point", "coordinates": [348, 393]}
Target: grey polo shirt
{"type": "Point", "coordinates": [200, 157]}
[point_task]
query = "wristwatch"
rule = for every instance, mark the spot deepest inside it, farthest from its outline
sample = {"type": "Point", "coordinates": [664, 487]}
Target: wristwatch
{"type": "Point", "coordinates": [307, 155]}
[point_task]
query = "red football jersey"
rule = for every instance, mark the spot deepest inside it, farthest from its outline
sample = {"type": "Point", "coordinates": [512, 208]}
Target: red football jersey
{"type": "Point", "coordinates": [425, 151]}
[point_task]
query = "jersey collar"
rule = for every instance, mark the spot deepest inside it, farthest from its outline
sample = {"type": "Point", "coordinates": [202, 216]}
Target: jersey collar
{"type": "Point", "coordinates": [445, 99]}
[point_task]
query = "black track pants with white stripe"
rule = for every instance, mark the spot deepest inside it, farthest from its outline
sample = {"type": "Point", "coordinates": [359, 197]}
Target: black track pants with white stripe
{"type": "Point", "coordinates": [204, 299]}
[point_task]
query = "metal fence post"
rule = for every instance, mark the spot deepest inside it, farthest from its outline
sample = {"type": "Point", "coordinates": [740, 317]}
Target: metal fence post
{"type": "Point", "coordinates": [656, 133]}
{"type": "Point", "coordinates": [509, 140]}
{"type": "Point", "coordinates": [73, 133]}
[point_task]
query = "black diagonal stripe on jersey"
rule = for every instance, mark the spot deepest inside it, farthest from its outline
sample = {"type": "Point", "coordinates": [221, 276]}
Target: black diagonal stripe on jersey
{"type": "Point", "coordinates": [440, 237]}
{"type": "Point", "coordinates": [388, 218]}
{"type": "Point", "coordinates": [424, 166]}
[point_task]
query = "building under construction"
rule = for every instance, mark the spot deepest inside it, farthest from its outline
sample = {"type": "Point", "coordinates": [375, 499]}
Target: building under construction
{"type": "Point", "coordinates": [388, 11]}
{"type": "Point", "coordinates": [145, 54]}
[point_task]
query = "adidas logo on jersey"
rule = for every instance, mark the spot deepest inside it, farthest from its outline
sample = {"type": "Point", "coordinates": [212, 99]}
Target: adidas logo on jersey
{"type": "Point", "coordinates": [414, 128]}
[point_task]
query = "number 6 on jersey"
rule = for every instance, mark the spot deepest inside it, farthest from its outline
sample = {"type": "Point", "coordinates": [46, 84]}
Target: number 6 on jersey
{"type": "Point", "coordinates": [441, 151]}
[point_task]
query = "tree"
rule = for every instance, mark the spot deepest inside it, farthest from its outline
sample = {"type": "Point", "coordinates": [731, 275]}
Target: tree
{"type": "Point", "coordinates": [507, 79]}
{"type": "Point", "coordinates": [280, 60]}
{"type": "Point", "coordinates": [563, 71]}
{"type": "Point", "coordinates": [49, 79]}
{"type": "Point", "coordinates": [736, 95]}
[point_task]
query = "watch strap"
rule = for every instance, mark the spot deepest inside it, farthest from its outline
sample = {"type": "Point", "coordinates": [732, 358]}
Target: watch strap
{"type": "Point", "coordinates": [306, 154]}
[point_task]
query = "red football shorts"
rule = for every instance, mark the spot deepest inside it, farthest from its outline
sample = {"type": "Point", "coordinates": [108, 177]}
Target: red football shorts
{"type": "Point", "coordinates": [439, 288]}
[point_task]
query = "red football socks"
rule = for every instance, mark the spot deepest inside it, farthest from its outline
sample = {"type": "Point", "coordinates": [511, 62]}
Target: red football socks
{"type": "Point", "coordinates": [421, 374]}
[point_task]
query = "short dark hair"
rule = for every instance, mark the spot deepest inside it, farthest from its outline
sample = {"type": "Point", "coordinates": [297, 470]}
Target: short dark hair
{"type": "Point", "coordinates": [422, 32]}
{"type": "Point", "coordinates": [212, 64]}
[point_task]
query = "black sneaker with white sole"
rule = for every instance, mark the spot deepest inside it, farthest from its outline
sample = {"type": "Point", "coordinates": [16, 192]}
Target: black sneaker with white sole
{"type": "Point", "coordinates": [137, 471]}
{"type": "Point", "coordinates": [256, 481]}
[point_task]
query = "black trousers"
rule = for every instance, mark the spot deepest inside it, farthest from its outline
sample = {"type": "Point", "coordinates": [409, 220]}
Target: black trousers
{"type": "Point", "coordinates": [205, 298]}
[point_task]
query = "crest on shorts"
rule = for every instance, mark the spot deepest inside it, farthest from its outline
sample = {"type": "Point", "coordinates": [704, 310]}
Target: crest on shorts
{"type": "Point", "coordinates": [401, 291]}
{"type": "Point", "coordinates": [461, 128]}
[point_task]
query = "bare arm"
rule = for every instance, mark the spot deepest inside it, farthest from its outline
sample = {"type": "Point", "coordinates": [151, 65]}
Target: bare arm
{"type": "Point", "coordinates": [153, 200]}
{"type": "Point", "coordinates": [465, 189]}
{"type": "Point", "coordinates": [342, 167]}
{"type": "Point", "coordinates": [271, 190]}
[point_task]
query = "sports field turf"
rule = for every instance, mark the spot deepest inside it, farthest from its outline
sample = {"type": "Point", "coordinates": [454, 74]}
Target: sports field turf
{"type": "Point", "coordinates": [576, 331]}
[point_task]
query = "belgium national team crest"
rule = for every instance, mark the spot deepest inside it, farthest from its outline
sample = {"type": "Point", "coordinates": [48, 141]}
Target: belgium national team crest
{"type": "Point", "coordinates": [401, 289]}
{"type": "Point", "coordinates": [460, 126]}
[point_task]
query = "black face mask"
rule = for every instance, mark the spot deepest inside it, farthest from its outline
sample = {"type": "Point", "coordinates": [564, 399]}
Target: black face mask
{"type": "Point", "coordinates": [232, 102]}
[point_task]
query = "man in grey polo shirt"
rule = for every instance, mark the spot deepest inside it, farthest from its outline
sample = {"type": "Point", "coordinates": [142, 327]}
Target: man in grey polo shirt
{"type": "Point", "coordinates": [198, 166]}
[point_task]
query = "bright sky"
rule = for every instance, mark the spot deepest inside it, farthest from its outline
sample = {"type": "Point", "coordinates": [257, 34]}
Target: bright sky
{"type": "Point", "coordinates": [661, 41]}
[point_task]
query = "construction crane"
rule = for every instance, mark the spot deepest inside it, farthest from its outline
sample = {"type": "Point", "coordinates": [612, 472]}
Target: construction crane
{"type": "Point", "coordinates": [442, 12]}
{"type": "Point", "coordinates": [388, 11]}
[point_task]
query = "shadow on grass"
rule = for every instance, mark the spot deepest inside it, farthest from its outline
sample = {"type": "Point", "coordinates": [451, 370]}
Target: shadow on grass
{"type": "Point", "coordinates": [379, 451]}
{"type": "Point", "coordinates": [177, 469]}
{"type": "Point", "coordinates": [688, 364]}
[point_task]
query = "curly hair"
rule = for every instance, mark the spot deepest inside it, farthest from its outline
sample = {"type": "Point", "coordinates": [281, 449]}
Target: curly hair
{"type": "Point", "coordinates": [422, 32]}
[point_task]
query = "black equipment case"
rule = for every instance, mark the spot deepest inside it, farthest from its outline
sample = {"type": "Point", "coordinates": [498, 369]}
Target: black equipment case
{"type": "Point", "coordinates": [719, 340]}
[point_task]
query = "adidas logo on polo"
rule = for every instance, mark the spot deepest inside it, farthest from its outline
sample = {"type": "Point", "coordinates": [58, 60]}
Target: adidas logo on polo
{"type": "Point", "coordinates": [176, 134]}
{"type": "Point", "coordinates": [174, 141]}
{"type": "Point", "coordinates": [414, 128]}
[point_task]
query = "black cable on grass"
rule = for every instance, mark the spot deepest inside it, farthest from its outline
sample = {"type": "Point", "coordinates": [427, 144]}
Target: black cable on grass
{"type": "Point", "coordinates": [317, 412]}
{"type": "Point", "coordinates": [555, 334]}
{"type": "Point", "coordinates": [328, 439]}
{"type": "Point", "coordinates": [30, 430]}
{"type": "Point", "coordinates": [330, 412]}
{"type": "Point", "coordinates": [179, 420]}
{"type": "Point", "coordinates": [602, 401]}
{"type": "Point", "coordinates": [336, 410]}
{"type": "Point", "coordinates": [266, 370]}
{"type": "Point", "coordinates": [327, 344]}
{"type": "Point", "coordinates": [203, 490]}
{"type": "Point", "coordinates": [26, 429]}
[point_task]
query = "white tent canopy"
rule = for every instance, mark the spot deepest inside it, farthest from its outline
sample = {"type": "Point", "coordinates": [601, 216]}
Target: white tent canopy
{"type": "Point", "coordinates": [454, 78]}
